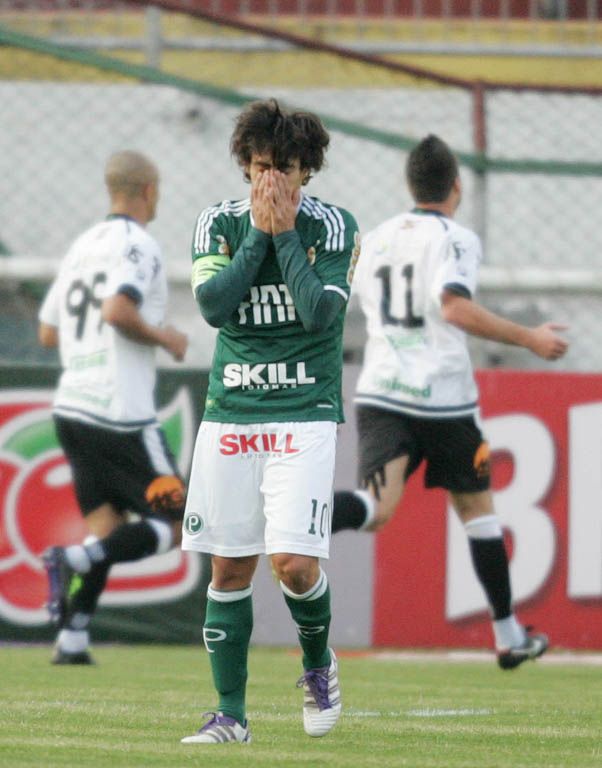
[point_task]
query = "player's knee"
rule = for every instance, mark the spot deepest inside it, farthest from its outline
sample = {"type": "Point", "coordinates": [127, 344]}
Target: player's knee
{"type": "Point", "coordinates": [232, 573]}
{"type": "Point", "coordinates": [472, 505]}
{"type": "Point", "coordinates": [297, 572]}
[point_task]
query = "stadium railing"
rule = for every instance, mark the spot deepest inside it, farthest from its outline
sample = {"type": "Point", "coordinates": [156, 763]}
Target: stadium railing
{"type": "Point", "coordinates": [532, 165]}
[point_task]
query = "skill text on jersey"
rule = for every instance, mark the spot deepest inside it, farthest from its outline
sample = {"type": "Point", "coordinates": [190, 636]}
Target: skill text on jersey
{"type": "Point", "coordinates": [266, 375]}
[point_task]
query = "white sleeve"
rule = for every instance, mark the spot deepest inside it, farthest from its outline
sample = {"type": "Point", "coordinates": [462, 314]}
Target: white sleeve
{"type": "Point", "coordinates": [361, 274]}
{"type": "Point", "coordinates": [459, 263]}
{"type": "Point", "coordinates": [49, 311]}
{"type": "Point", "coordinates": [136, 270]}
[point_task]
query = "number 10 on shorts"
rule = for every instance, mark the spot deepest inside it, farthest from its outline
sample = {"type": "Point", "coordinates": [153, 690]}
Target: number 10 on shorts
{"type": "Point", "coordinates": [320, 519]}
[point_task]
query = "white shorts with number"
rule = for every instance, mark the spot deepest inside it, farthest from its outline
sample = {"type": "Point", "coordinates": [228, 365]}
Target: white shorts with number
{"type": "Point", "coordinates": [261, 488]}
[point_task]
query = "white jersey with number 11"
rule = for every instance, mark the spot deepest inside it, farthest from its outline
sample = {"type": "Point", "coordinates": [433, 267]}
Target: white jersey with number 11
{"type": "Point", "coordinates": [414, 361]}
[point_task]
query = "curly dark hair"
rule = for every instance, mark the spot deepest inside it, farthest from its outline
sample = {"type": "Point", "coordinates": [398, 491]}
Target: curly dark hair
{"type": "Point", "coordinates": [263, 127]}
{"type": "Point", "coordinates": [431, 170]}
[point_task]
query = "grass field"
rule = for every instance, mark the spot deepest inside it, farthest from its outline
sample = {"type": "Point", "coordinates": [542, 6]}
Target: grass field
{"type": "Point", "coordinates": [135, 705]}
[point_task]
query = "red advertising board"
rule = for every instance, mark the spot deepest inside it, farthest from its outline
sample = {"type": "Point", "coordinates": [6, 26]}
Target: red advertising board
{"type": "Point", "coordinates": [148, 599]}
{"type": "Point", "coordinates": [545, 432]}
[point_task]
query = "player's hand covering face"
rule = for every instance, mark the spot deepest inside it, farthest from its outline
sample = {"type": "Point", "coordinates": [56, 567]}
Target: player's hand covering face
{"type": "Point", "coordinates": [274, 190]}
{"type": "Point", "coordinates": [284, 195]}
{"type": "Point", "coordinates": [261, 203]}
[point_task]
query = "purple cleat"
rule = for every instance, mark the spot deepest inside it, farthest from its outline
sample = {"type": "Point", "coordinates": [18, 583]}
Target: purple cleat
{"type": "Point", "coordinates": [322, 698]}
{"type": "Point", "coordinates": [220, 729]}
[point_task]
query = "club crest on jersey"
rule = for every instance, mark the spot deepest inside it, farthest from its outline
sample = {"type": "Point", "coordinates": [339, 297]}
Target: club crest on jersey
{"type": "Point", "coordinates": [134, 254]}
{"type": "Point", "coordinates": [266, 375]}
{"type": "Point", "coordinates": [223, 247]}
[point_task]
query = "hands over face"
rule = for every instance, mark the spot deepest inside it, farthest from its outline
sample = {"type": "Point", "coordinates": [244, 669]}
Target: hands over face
{"type": "Point", "coordinates": [261, 205]}
{"type": "Point", "coordinates": [274, 202]}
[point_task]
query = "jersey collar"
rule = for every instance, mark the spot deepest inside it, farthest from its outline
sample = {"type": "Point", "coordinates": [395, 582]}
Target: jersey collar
{"type": "Point", "coordinates": [427, 212]}
{"type": "Point", "coordinates": [113, 216]}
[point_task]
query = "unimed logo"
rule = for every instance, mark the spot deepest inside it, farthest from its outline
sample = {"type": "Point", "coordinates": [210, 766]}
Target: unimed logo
{"type": "Point", "coordinates": [266, 442]}
{"type": "Point", "coordinates": [38, 509]}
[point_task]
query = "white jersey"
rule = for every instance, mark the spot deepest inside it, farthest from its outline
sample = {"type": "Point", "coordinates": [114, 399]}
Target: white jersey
{"type": "Point", "coordinates": [107, 379]}
{"type": "Point", "coordinates": [414, 361]}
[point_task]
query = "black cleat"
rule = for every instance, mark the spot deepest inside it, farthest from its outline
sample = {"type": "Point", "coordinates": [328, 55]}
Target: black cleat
{"type": "Point", "coordinates": [59, 574]}
{"type": "Point", "coordinates": [62, 657]}
{"type": "Point", "coordinates": [534, 646]}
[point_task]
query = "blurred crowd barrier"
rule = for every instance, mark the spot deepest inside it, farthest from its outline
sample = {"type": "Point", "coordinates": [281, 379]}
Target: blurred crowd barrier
{"type": "Point", "coordinates": [531, 159]}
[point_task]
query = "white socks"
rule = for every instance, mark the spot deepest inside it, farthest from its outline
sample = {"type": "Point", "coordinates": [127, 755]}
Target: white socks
{"type": "Point", "coordinates": [508, 633]}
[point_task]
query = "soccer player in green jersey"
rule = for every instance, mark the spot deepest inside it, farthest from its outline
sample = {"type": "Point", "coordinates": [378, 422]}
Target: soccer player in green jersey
{"type": "Point", "coordinates": [273, 272]}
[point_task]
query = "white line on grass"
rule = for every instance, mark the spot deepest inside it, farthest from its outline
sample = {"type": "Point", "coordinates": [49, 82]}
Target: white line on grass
{"type": "Point", "coordinates": [419, 713]}
{"type": "Point", "coordinates": [448, 712]}
{"type": "Point", "coordinates": [555, 659]}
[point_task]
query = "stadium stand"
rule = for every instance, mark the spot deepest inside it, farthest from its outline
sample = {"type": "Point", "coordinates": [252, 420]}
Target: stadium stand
{"type": "Point", "coordinates": [76, 82]}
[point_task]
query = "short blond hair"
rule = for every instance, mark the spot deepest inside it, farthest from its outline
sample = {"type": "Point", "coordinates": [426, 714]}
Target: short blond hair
{"type": "Point", "coordinates": [128, 172]}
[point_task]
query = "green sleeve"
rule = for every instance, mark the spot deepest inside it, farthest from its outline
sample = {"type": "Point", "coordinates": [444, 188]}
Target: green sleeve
{"type": "Point", "coordinates": [219, 283]}
{"type": "Point", "coordinates": [316, 306]}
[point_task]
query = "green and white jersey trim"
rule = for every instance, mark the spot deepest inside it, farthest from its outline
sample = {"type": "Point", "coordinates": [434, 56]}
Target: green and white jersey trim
{"type": "Point", "coordinates": [338, 290]}
{"type": "Point", "coordinates": [333, 221]}
{"type": "Point", "coordinates": [202, 234]}
{"type": "Point", "coordinates": [266, 366]}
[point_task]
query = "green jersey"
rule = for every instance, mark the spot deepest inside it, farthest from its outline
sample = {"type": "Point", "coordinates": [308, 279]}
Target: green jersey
{"type": "Point", "coordinates": [280, 304]}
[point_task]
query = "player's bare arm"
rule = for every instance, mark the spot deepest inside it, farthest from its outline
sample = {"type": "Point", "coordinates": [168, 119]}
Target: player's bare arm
{"type": "Point", "coordinates": [48, 335]}
{"type": "Point", "coordinates": [121, 312]}
{"type": "Point", "coordinates": [174, 342]}
{"type": "Point", "coordinates": [543, 340]}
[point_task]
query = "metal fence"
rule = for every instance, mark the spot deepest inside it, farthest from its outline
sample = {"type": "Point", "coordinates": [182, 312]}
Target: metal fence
{"type": "Point", "coordinates": [531, 162]}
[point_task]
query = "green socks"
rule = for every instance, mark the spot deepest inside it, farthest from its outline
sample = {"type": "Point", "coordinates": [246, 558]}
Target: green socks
{"type": "Point", "coordinates": [227, 632]}
{"type": "Point", "coordinates": [311, 614]}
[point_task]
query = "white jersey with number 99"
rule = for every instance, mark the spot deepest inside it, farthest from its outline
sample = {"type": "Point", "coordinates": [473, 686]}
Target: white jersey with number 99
{"type": "Point", "coordinates": [107, 378]}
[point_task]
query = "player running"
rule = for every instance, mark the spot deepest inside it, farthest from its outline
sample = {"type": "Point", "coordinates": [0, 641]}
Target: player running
{"type": "Point", "coordinates": [105, 310]}
{"type": "Point", "coordinates": [416, 396]}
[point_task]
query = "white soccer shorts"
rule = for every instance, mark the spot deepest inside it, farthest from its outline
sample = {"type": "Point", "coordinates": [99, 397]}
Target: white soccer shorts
{"type": "Point", "coordinates": [261, 488]}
